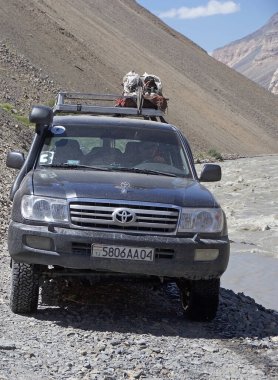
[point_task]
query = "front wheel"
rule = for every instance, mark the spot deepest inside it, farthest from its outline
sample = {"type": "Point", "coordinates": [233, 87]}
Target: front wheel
{"type": "Point", "coordinates": [200, 298]}
{"type": "Point", "coordinates": [24, 288]}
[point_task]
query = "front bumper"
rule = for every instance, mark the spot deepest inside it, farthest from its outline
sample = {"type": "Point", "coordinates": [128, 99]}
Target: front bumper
{"type": "Point", "coordinates": [71, 248]}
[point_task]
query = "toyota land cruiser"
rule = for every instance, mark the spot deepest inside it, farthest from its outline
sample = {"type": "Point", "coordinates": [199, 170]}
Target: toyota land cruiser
{"type": "Point", "coordinates": [114, 194]}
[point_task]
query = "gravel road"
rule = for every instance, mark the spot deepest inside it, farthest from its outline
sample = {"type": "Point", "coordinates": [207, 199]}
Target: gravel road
{"type": "Point", "coordinates": [124, 330]}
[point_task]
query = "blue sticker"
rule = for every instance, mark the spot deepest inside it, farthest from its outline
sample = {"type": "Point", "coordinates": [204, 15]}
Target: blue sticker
{"type": "Point", "coordinates": [58, 130]}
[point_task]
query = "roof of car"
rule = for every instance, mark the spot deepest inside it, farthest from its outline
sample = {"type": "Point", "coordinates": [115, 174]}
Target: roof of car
{"type": "Point", "coordinates": [110, 121]}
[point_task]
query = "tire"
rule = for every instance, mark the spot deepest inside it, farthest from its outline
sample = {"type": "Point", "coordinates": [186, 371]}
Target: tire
{"type": "Point", "coordinates": [24, 288]}
{"type": "Point", "coordinates": [200, 299]}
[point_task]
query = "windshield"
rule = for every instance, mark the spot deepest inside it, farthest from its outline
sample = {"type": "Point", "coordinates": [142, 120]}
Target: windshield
{"type": "Point", "coordinates": [118, 148]}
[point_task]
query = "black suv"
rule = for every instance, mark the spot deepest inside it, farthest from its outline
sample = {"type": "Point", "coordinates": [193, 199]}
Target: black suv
{"type": "Point", "coordinates": [115, 195]}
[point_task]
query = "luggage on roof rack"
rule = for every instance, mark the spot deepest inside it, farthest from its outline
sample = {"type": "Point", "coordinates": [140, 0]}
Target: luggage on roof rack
{"type": "Point", "coordinates": [150, 88]}
{"type": "Point", "coordinates": [94, 104]}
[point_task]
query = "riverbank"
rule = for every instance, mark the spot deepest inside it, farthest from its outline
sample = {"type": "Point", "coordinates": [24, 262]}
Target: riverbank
{"type": "Point", "coordinates": [248, 192]}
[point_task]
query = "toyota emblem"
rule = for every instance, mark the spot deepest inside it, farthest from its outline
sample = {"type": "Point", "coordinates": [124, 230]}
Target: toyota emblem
{"type": "Point", "coordinates": [123, 216]}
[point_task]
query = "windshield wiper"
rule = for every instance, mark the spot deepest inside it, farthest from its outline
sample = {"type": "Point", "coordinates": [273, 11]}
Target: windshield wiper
{"type": "Point", "coordinates": [112, 168]}
{"type": "Point", "coordinates": [76, 166]}
{"type": "Point", "coordinates": [143, 171]}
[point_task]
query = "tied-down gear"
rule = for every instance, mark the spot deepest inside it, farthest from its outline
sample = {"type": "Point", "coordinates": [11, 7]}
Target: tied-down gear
{"type": "Point", "coordinates": [149, 85]}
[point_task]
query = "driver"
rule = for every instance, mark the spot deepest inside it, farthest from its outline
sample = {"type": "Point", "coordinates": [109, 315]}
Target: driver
{"type": "Point", "coordinates": [150, 152]}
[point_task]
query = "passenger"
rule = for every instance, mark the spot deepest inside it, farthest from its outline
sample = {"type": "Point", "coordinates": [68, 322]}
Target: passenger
{"type": "Point", "coordinates": [150, 152]}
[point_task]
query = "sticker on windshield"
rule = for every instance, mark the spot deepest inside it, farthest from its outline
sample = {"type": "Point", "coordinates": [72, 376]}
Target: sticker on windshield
{"type": "Point", "coordinates": [46, 158]}
{"type": "Point", "coordinates": [73, 162]}
{"type": "Point", "coordinates": [58, 130]}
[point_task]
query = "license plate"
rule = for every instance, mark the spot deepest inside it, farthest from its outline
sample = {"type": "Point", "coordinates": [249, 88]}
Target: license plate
{"type": "Point", "coordinates": [122, 253]}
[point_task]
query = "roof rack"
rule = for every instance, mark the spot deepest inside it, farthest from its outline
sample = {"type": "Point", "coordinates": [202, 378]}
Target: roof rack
{"type": "Point", "coordinates": [64, 105]}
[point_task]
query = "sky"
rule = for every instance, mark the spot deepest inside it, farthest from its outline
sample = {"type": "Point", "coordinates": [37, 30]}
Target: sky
{"type": "Point", "coordinates": [213, 23]}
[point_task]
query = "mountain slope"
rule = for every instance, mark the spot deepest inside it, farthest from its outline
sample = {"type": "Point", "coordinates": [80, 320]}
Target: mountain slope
{"type": "Point", "coordinates": [256, 55]}
{"type": "Point", "coordinates": [88, 45]}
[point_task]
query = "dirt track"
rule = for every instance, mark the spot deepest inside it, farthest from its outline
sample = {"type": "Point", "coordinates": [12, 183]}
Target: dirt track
{"type": "Point", "coordinates": [133, 331]}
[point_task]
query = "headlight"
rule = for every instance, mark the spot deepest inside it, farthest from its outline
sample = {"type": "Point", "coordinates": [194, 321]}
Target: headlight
{"type": "Point", "coordinates": [201, 220]}
{"type": "Point", "coordinates": [44, 209]}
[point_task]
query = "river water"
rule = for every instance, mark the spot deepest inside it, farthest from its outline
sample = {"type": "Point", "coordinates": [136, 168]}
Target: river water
{"type": "Point", "coordinates": [248, 193]}
{"type": "Point", "coordinates": [254, 275]}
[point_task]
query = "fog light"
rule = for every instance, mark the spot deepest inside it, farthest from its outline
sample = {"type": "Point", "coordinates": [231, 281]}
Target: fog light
{"type": "Point", "coordinates": [39, 242]}
{"type": "Point", "coordinates": [206, 254]}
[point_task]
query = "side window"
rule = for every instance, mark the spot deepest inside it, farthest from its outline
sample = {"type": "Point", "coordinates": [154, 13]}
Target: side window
{"type": "Point", "coordinates": [88, 143]}
{"type": "Point", "coordinates": [120, 144]}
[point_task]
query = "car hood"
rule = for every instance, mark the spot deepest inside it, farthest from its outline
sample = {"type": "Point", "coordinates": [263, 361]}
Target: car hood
{"type": "Point", "coordinates": [69, 183]}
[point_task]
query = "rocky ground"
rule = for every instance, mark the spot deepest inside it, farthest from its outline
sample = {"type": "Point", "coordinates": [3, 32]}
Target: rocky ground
{"type": "Point", "coordinates": [124, 330]}
{"type": "Point", "coordinates": [135, 331]}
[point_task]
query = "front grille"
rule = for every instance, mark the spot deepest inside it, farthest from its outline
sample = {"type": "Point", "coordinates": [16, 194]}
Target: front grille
{"type": "Point", "coordinates": [149, 218]}
{"type": "Point", "coordinates": [81, 248]}
{"type": "Point", "coordinates": [161, 253]}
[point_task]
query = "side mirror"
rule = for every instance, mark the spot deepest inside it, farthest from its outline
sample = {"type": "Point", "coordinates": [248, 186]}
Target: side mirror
{"type": "Point", "coordinates": [15, 160]}
{"type": "Point", "coordinates": [211, 173]}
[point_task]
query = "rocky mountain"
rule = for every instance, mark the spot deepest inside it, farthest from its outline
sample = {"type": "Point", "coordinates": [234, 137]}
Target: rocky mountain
{"type": "Point", "coordinates": [255, 56]}
{"type": "Point", "coordinates": [273, 86]}
{"type": "Point", "coordinates": [88, 45]}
